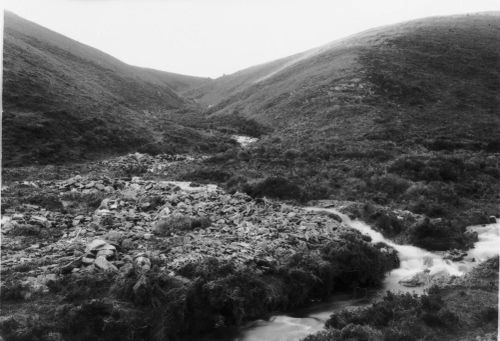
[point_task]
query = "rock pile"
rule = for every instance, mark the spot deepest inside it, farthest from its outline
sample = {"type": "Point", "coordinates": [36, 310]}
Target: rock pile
{"type": "Point", "coordinates": [107, 224]}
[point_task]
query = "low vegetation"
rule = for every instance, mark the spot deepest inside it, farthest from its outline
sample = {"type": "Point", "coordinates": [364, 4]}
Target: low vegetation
{"type": "Point", "coordinates": [466, 307]}
{"type": "Point", "coordinates": [203, 296]}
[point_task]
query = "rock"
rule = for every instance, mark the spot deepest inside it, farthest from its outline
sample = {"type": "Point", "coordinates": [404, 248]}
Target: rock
{"type": "Point", "coordinates": [40, 221]}
{"type": "Point", "coordinates": [95, 245]}
{"type": "Point", "coordinates": [147, 236]}
{"type": "Point", "coordinates": [127, 243]}
{"type": "Point", "coordinates": [108, 254]}
{"type": "Point", "coordinates": [140, 286]}
{"type": "Point", "coordinates": [99, 244]}
{"type": "Point", "coordinates": [114, 236]}
{"type": "Point", "coordinates": [424, 278]}
{"type": "Point", "coordinates": [75, 264]}
{"type": "Point", "coordinates": [455, 255]}
{"type": "Point", "coordinates": [492, 219]}
{"type": "Point", "coordinates": [416, 280]}
{"type": "Point", "coordinates": [103, 264]}
{"type": "Point", "coordinates": [88, 260]}
{"type": "Point", "coordinates": [126, 269]}
{"type": "Point", "coordinates": [165, 212]}
{"type": "Point", "coordinates": [143, 263]}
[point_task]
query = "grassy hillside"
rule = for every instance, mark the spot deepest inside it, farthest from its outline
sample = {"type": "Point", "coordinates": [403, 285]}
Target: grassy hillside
{"type": "Point", "coordinates": [63, 100]}
{"type": "Point", "coordinates": [212, 92]}
{"type": "Point", "coordinates": [440, 63]}
{"type": "Point", "coordinates": [405, 116]}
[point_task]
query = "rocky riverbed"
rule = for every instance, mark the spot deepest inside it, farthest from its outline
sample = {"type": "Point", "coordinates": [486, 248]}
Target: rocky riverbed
{"type": "Point", "coordinates": [117, 237]}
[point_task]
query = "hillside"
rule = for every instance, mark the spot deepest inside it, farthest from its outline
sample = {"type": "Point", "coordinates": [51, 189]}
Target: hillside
{"type": "Point", "coordinates": [63, 100]}
{"type": "Point", "coordinates": [405, 116]}
{"type": "Point", "coordinates": [397, 127]}
{"type": "Point", "coordinates": [428, 62]}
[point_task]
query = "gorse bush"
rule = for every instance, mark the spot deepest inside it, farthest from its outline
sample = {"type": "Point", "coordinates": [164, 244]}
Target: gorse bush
{"type": "Point", "coordinates": [439, 235]}
{"type": "Point", "coordinates": [207, 175]}
{"type": "Point", "coordinates": [178, 222]}
{"type": "Point", "coordinates": [274, 187]}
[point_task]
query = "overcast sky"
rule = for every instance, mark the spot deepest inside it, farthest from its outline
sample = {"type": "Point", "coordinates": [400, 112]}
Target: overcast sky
{"type": "Point", "coordinates": [215, 37]}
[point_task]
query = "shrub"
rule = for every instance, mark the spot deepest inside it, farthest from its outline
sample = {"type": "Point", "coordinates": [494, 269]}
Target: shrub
{"type": "Point", "coordinates": [210, 174]}
{"type": "Point", "coordinates": [291, 154]}
{"type": "Point", "coordinates": [391, 184]}
{"type": "Point", "coordinates": [152, 202]}
{"type": "Point", "coordinates": [489, 314]}
{"type": "Point", "coordinates": [12, 291]}
{"type": "Point", "coordinates": [360, 333]}
{"type": "Point", "coordinates": [47, 200]}
{"type": "Point", "coordinates": [179, 223]}
{"type": "Point", "coordinates": [274, 187]}
{"type": "Point", "coordinates": [200, 222]}
{"type": "Point", "coordinates": [87, 201]}
{"type": "Point", "coordinates": [133, 169]}
{"type": "Point", "coordinates": [437, 235]}
{"type": "Point", "coordinates": [26, 230]}
{"type": "Point", "coordinates": [173, 223]}
{"type": "Point", "coordinates": [493, 146]}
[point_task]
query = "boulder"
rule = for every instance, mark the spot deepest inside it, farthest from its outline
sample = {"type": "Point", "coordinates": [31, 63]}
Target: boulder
{"type": "Point", "coordinates": [103, 264]}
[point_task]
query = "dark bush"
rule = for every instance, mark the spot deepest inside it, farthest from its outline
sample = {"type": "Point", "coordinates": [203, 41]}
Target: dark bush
{"type": "Point", "coordinates": [489, 314]}
{"type": "Point", "coordinates": [391, 184]}
{"type": "Point", "coordinates": [274, 187]}
{"type": "Point", "coordinates": [210, 174]}
{"type": "Point", "coordinates": [133, 169]}
{"type": "Point", "coordinates": [493, 146]}
{"type": "Point", "coordinates": [174, 223]}
{"type": "Point", "coordinates": [12, 291]}
{"type": "Point", "coordinates": [438, 235]}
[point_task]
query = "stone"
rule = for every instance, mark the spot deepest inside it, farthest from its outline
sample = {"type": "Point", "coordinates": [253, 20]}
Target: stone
{"type": "Point", "coordinates": [114, 236]}
{"type": "Point", "coordinates": [40, 220]}
{"type": "Point", "coordinates": [88, 260]}
{"type": "Point", "coordinates": [103, 264]}
{"type": "Point", "coordinates": [140, 285]}
{"type": "Point", "coordinates": [142, 263]}
{"type": "Point", "coordinates": [99, 244]}
{"type": "Point", "coordinates": [127, 243]}
{"type": "Point", "coordinates": [108, 254]}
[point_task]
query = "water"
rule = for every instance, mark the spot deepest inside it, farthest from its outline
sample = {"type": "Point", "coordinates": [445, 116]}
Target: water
{"type": "Point", "coordinates": [243, 140]}
{"type": "Point", "coordinates": [189, 187]}
{"type": "Point", "coordinates": [414, 261]}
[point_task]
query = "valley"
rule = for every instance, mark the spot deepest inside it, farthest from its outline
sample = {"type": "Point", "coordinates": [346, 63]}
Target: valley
{"type": "Point", "coordinates": [145, 205]}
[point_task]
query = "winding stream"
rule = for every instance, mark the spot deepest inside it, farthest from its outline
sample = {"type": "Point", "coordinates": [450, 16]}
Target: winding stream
{"type": "Point", "coordinates": [415, 261]}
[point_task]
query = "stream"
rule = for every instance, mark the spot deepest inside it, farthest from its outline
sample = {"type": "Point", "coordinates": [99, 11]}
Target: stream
{"type": "Point", "coordinates": [415, 263]}
{"type": "Point", "coordinates": [418, 270]}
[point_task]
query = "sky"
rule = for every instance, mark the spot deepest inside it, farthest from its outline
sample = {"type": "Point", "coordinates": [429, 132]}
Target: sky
{"type": "Point", "coordinates": [214, 37]}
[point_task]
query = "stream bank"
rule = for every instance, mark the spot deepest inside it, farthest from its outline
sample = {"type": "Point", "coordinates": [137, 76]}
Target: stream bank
{"type": "Point", "coordinates": [418, 271]}
{"type": "Point", "coordinates": [99, 256]}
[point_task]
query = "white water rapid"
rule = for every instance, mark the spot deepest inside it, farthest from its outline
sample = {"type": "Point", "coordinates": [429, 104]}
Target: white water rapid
{"type": "Point", "coordinates": [414, 261]}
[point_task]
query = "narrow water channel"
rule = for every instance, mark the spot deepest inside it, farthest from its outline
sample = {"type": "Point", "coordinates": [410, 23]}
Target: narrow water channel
{"type": "Point", "coordinates": [414, 262]}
